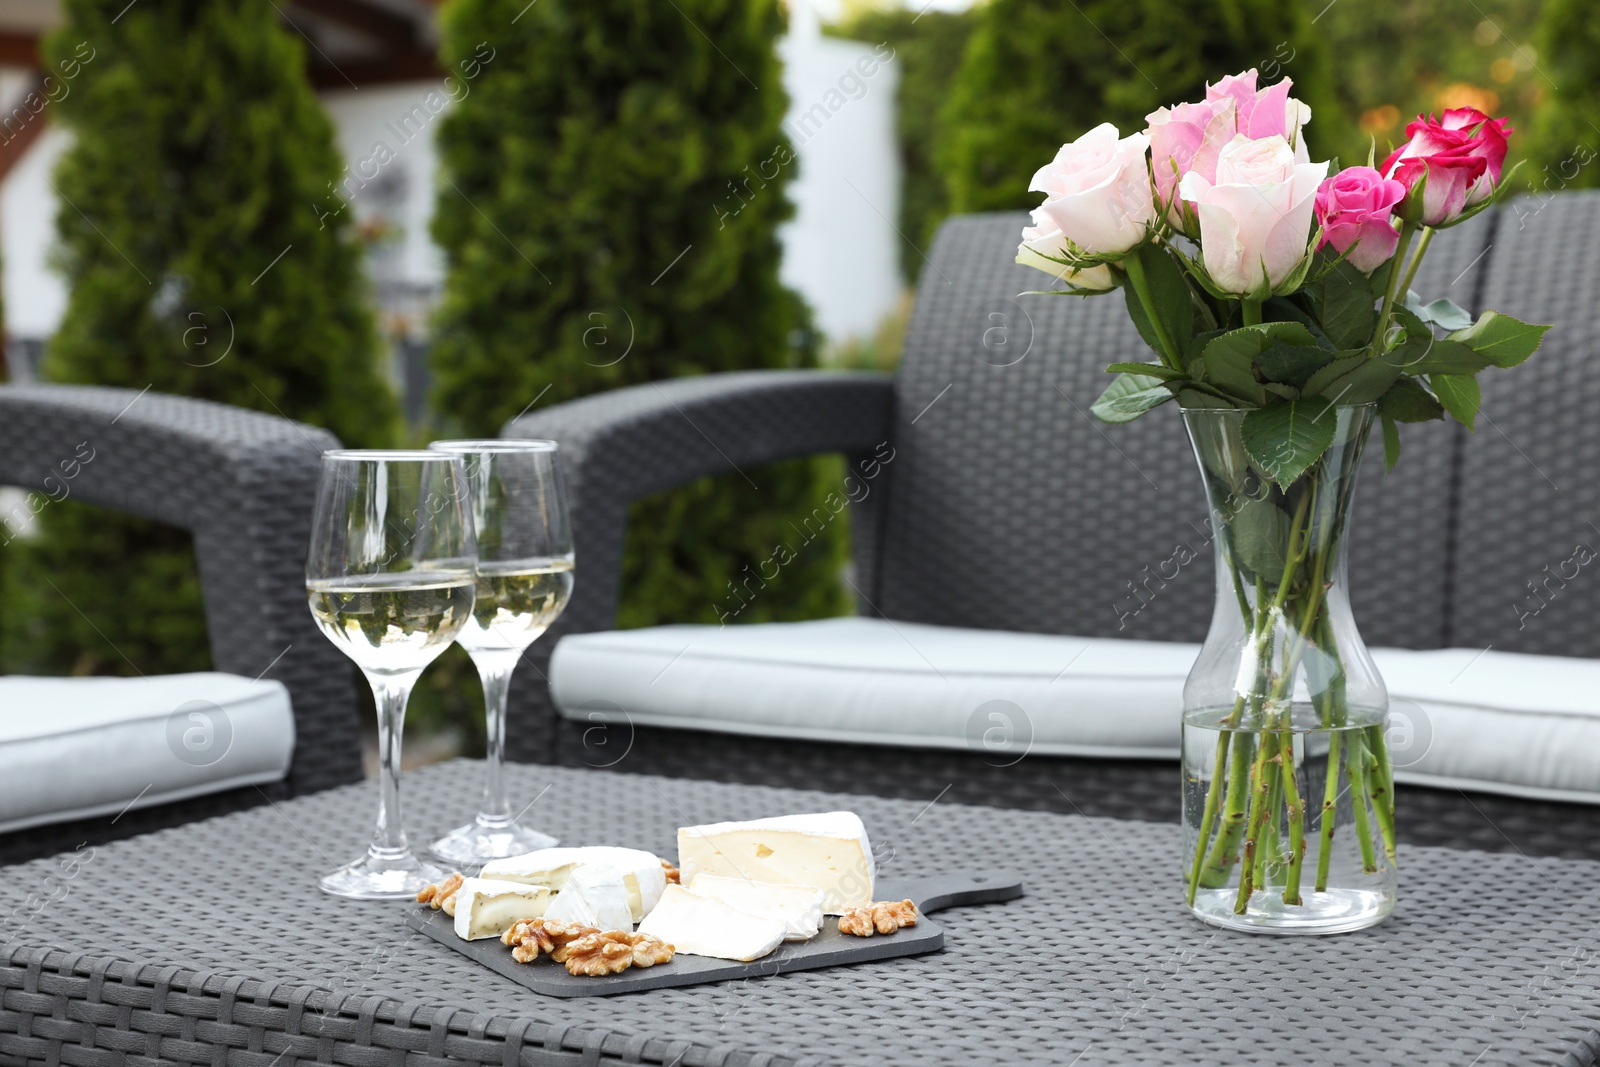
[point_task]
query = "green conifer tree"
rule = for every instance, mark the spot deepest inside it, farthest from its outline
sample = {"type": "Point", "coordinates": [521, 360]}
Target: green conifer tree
{"type": "Point", "coordinates": [205, 256]}
{"type": "Point", "coordinates": [612, 190]}
{"type": "Point", "coordinates": [1564, 147]}
{"type": "Point", "coordinates": [1038, 73]}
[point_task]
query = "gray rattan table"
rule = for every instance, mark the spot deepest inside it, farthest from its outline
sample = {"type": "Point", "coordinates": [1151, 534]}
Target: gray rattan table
{"type": "Point", "coordinates": [209, 944]}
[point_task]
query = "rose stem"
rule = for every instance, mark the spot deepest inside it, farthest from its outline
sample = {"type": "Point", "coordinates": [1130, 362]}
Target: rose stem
{"type": "Point", "coordinates": [1269, 852]}
{"type": "Point", "coordinates": [1141, 287]}
{"type": "Point", "coordinates": [1221, 857]}
{"type": "Point", "coordinates": [1213, 796]}
{"type": "Point", "coordinates": [1355, 767]}
{"type": "Point", "coordinates": [1297, 814]}
{"type": "Point", "coordinates": [1258, 811]}
{"type": "Point", "coordinates": [1416, 261]}
{"type": "Point", "coordinates": [1406, 229]}
{"type": "Point", "coordinates": [1382, 787]}
{"type": "Point", "coordinates": [1330, 802]}
{"type": "Point", "coordinates": [1215, 789]}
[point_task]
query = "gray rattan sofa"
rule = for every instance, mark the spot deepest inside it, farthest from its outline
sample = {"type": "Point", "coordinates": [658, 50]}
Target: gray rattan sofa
{"type": "Point", "coordinates": [243, 484]}
{"type": "Point", "coordinates": [1007, 508]}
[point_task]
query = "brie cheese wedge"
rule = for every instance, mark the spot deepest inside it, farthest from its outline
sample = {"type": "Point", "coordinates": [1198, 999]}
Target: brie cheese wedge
{"type": "Point", "coordinates": [593, 895]}
{"type": "Point", "coordinates": [797, 907]}
{"type": "Point", "coordinates": [700, 926]}
{"type": "Point", "coordinates": [829, 851]}
{"type": "Point", "coordinates": [641, 871]}
{"type": "Point", "coordinates": [488, 908]}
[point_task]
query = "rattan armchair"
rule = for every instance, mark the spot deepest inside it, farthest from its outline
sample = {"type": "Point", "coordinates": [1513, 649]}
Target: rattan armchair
{"type": "Point", "coordinates": [243, 485]}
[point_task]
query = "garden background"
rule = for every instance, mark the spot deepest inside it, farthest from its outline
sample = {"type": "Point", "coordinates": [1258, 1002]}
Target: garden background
{"type": "Point", "coordinates": [589, 143]}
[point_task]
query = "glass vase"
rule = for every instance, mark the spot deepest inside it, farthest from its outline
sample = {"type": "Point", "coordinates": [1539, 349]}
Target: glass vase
{"type": "Point", "coordinates": [1288, 802]}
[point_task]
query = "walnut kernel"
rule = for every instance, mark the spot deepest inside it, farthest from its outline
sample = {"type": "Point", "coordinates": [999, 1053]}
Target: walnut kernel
{"type": "Point", "coordinates": [441, 895]}
{"type": "Point", "coordinates": [882, 917]}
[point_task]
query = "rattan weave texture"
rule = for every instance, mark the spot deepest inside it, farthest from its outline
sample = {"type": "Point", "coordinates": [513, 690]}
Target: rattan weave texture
{"type": "Point", "coordinates": [1528, 495]}
{"type": "Point", "coordinates": [233, 957]}
{"type": "Point", "coordinates": [621, 446]}
{"type": "Point", "coordinates": [1014, 509]}
{"type": "Point", "coordinates": [243, 484]}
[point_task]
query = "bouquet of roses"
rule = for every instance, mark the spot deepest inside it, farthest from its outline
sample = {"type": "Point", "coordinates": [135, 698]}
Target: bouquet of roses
{"type": "Point", "coordinates": [1277, 301]}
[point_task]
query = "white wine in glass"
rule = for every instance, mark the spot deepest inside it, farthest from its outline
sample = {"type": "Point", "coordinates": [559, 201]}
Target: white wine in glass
{"type": "Point", "coordinates": [525, 574]}
{"type": "Point", "coordinates": [391, 578]}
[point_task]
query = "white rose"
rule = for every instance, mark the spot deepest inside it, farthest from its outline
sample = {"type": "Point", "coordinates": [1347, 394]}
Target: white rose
{"type": "Point", "coordinates": [1044, 239]}
{"type": "Point", "coordinates": [1255, 219]}
{"type": "Point", "coordinates": [1098, 191]}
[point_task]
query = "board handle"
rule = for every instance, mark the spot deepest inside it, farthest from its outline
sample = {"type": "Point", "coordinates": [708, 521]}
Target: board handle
{"type": "Point", "coordinates": [935, 892]}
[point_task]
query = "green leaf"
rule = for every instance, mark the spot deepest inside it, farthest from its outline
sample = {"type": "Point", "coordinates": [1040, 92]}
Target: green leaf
{"type": "Point", "coordinates": [1501, 339]}
{"type": "Point", "coordinates": [1288, 392]}
{"type": "Point", "coordinates": [1151, 370]}
{"type": "Point", "coordinates": [1391, 441]}
{"type": "Point", "coordinates": [1129, 396]}
{"type": "Point", "coordinates": [1169, 291]}
{"type": "Point", "coordinates": [1442, 357]}
{"type": "Point", "coordinates": [1292, 364]}
{"type": "Point", "coordinates": [1408, 401]}
{"type": "Point", "coordinates": [1460, 395]}
{"type": "Point", "coordinates": [1229, 358]}
{"type": "Point", "coordinates": [1422, 353]}
{"type": "Point", "coordinates": [1192, 397]}
{"type": "Point", "coordinates": [1260, 535]}
{"type": "Point", "coordinates": [1354, 379]}
{"type": "Point", "coordinates": [1343, 364]}
{"type": "Point", "coordinates": [1285, 439]}
{"type": "Point", "coordinates": [1445, 314]}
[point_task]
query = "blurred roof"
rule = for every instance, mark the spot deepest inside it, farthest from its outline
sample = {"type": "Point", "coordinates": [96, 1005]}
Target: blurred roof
{"type": "Point", "coordinates": [350, 43]}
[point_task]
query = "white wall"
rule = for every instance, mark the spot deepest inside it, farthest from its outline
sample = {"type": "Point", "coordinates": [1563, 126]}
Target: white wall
{"type": "Point", "coordinates": [841, 249]}
{"type": "Point", "coordinates": [34, 296]}
{"type": "Point", "coordinates": [378, 132]}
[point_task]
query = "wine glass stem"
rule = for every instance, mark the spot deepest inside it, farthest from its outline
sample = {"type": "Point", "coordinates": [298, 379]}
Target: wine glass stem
{"type": "Point", "coordinates": [390, 693]}
{"type": "Point", "coordinates": [495, 673]}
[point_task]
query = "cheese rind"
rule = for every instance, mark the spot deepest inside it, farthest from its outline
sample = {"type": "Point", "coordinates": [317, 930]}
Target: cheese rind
{"type": "Point", "coordinates": [797, 907]}
{"type": "Point", "coordinates": [593, 895]}
{"type": "Point", "coordinates": [700, 926]}
{"type": "Point", "coordinates": [827, 851]}
{"type": "Point", "coordinates": [641, 871]}
{"type": "Point", "coordinates": [486, 907]}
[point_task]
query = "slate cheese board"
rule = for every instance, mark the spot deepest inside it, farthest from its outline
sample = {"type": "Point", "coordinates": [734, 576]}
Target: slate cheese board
{"type": "Point", "coordinates": [829, 948]}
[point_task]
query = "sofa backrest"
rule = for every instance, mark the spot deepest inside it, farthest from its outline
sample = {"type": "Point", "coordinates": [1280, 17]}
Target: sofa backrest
{"type": "Point", "coordinates": [1011, 507]}
{"type": "Point", "coordinates": [1527, 526]}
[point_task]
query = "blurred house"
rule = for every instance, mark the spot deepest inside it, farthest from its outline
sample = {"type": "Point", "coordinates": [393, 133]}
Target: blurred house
{"type": "Point", "coordinates": [373, 63]}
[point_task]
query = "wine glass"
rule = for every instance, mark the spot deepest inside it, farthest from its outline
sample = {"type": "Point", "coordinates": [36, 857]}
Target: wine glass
{"type": "Point", "coordinates": [391, 578]}
{"type": "Point", "coordinates": [525, 573]}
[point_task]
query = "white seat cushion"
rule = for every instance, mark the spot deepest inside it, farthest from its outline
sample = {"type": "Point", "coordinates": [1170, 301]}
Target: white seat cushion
{"type": "Point", "coordinates": [77, 747]}
{"type": "Point", "coordinates": [1491, 721]}
{"type": "Point", "coordinates": [1500, 722]}
{"type": "Point", "coordinates": [881, 682]}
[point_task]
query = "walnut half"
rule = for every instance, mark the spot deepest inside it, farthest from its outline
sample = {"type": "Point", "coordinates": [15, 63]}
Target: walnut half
{"type": "Point", "coordinates": [552, 937]}
{"type": "Point", "coordinates": [882, 917]}
{"type": "Point", "coordinates": [671, 872]}
{"type": "Point", "coordinates": [441, 894]}
{"type": "Point", "coordinates": [614, 951]}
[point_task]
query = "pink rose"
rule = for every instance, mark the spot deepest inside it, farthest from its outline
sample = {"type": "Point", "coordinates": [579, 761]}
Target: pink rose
{"type": "Point", "coordinates": [1185, 138]}
{"type": "Point", "coordinates": [1462, 154]}
{"type": "Point", "coordinates": [1042, 245]}
{"type": "Point", "coordinates": [1255, 220]}
{"type": "Point", "coordinates": [1098, 191]}
{"type": "Point", "coordinates": [1356, 208]}
{"type": "Point", "coordinates": [1189, 138]}
{"type": "Point", "coordinates": [1260, 112]}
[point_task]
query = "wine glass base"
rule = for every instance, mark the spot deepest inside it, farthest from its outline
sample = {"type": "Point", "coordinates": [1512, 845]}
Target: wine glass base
{"type": "Point", "coordinates": [382, 875]}
{"type": "Point", "coordinates": [479, 841]}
